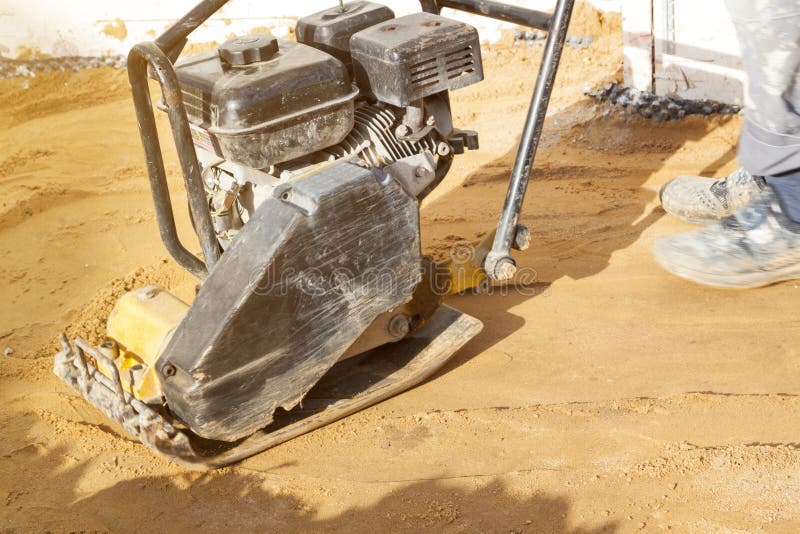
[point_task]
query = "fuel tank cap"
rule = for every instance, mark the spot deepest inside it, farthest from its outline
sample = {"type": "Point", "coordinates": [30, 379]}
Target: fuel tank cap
{"type": "Point", "coordinates": [248, 49]}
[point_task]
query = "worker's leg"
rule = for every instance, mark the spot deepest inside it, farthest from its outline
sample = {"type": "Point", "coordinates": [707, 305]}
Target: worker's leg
{"type": "Point", "coordinates": [769, 146]}
{"type": "Point", "coordinates": [760, 243]}
{"type": "Point", "coordinates": [769, 32]}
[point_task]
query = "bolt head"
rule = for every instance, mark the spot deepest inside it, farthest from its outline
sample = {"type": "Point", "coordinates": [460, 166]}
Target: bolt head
{"type": "Point", "coordinates": [505, 269]}
{"type": "Point", "coordinates": [398, 326]}
{"type": "Point", "coordinates": [110, 349]}
{"type": "Point", "coordinates": [522, 238]}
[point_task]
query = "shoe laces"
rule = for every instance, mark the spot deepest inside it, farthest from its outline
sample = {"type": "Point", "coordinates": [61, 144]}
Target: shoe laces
{"type": "Point", "coordinates": [738, 182]}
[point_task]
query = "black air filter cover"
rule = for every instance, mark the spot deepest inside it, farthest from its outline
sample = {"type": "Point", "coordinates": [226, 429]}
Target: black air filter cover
{"type": "Point", "coordinates": [415, 56]}
{"type": "Point", "coordinates": [330, 30]}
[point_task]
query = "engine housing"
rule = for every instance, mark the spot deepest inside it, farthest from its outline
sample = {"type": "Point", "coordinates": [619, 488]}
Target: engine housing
{"type": "Point", "coordinates": [331, 30]}
{"type": "Point", "coordinates": [358, 83]}
{"type": "Point", "coordinates": [408, 58]}
{"type": "Point", "coordinates": [260, 101]}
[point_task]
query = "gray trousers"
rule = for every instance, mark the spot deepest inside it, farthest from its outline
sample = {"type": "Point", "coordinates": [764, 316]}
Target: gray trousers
{"type": "Point", "coordinates": [769, 146]}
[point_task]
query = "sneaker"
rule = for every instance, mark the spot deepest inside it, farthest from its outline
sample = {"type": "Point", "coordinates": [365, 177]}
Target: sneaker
{"type": "Point", "coordinates": [701, 200]}
{"type": "Point", "coordinates": [757, 246]}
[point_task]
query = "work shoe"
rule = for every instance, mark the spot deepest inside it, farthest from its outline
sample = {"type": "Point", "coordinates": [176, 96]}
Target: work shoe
{"type": "Point", "coordinates": [702, 200]}
{"type": "Point", "coordinates": [757, 246]}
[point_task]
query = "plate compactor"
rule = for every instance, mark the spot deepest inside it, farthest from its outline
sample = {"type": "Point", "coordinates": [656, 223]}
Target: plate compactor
{"type": "Point", "coordinates": [304, 164]}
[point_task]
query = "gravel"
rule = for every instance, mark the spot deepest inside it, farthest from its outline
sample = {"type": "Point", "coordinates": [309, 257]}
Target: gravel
{"type": "Point", "coordinates": [533, 36]}
{"type": "Point", "coordinates": [660, 108]}
{"type": "Point", "coordinates": [13, 68]}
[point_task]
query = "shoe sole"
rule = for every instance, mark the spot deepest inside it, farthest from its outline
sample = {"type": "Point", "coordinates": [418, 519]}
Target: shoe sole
{"type": "Point", "coordinates": [698, 222]}
{"type": "Point", "coordinates": [749, 280]}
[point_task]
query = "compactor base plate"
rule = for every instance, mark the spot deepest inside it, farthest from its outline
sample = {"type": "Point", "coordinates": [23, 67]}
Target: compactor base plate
{"type": "Point", "coordinates": [350, 386]}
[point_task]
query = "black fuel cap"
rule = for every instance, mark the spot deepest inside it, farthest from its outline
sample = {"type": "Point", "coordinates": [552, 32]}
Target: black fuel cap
{"type": "Point", "coordinates": [248, 49]}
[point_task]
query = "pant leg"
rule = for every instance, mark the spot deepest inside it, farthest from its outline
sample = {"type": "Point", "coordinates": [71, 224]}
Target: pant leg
{"type": "Point", "coordinates": [769, 145]}
{"type": "Point", "coordinates": [769, 33]}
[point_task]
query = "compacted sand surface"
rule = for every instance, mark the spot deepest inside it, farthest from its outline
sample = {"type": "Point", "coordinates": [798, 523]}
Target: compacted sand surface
{"type": "Point", "coordinates": [603, 396]}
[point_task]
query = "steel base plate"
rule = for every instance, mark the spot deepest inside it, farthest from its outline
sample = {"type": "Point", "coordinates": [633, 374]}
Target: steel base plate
{"type": "Point", "coordinates": [350, 386]}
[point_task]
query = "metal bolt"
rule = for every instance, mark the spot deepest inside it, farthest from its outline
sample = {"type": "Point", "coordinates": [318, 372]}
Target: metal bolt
{"type": "Point", "coordinates": [398, 326]}
{"type": "Point", "coordinates": [402, 130]}
{"type": "Point", "coordinates": [443, 149]}
{"type": "Point", "coordinates": [421, 172]}
{"type": "Point", "coordinates": [505, 269]}
{"type": "Point", "coordinates": [168, 370]}
{"type": "Point", "coordinates": [522, 237]}
{"type": "Point", "coordinates": [431, 120]}
{"type": "Point", "coordinates": [110, 349]}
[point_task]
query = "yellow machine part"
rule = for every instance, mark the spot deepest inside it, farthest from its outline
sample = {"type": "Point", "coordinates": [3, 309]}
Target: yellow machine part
{"type": "Point", "coordinates": [465, 268]}
{"type": "Point", "coordinates": [139, 328]}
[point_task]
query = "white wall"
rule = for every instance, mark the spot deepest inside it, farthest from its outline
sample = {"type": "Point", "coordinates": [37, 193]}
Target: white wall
{"type": "Point", "coordinates": [682, 48]}
{"type": "Point", "coordinates": [100, 27]}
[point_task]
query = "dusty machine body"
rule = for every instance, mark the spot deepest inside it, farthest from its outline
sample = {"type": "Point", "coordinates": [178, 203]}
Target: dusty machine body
{"type": "Point", "coordinates": [304, 163]}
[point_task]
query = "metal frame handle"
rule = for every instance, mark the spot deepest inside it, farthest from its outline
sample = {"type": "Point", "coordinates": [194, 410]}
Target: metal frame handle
{"type": "Point", "coordinates": [494, 10]}
{"type": "Point", "coordinates": [157, 56]}
{"type": "Point", "coordinates": [499, 265]}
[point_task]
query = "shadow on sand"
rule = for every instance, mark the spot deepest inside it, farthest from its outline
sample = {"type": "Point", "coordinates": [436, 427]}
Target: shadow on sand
{"type": "Point", "coordinates": [584, 160]}
{"type": "Point", "coordinates": [233, 500]}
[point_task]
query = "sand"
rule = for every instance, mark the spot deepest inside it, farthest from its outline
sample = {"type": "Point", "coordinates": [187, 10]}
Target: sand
{"type": "Point", "coordinates": [607, 396]}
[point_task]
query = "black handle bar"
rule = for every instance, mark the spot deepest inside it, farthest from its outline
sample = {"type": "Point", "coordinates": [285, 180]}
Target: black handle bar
{"type": "Point", "coordinates": [497, 10]}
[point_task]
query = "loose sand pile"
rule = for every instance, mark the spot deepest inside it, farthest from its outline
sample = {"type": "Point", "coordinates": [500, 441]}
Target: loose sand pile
{"type": "Point", "coordinates": [611, 397]}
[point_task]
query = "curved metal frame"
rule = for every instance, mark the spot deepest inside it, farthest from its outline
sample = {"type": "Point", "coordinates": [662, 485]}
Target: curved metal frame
{"type": "Point", "coordinates": [156, 55]}
{"type": "Point", "coordinates": [140, 57]}
{"type": "Point", "coordinates": [498, 264]}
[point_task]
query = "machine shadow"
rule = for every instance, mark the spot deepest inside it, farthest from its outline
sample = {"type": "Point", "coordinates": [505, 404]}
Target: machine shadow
{"type": "Point", "coordinates": [233, 500]}
{"type": "Point", "coordinates": [586, 200]}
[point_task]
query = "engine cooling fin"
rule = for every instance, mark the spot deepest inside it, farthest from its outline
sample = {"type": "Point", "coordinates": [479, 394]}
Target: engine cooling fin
{"type": "Point", "coordinates": [373, 140]}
